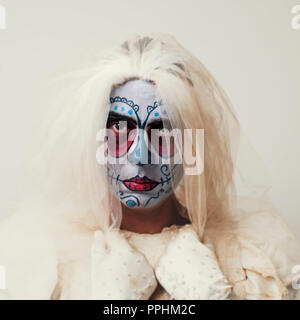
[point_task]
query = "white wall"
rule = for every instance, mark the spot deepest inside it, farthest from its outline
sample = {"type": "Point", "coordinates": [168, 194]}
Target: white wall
{"type": "Point", "coordinates": [249, 46]}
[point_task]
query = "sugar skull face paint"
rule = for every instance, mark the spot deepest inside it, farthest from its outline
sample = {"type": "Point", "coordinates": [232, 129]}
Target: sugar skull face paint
{"type": "Point", "coordinates": [136, 119]}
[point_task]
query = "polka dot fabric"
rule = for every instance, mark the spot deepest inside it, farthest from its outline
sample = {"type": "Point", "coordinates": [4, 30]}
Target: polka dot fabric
{"type": "Point", "coordinates": [189, 270]}
{"type": "Point", "coordinates": [119, 271]}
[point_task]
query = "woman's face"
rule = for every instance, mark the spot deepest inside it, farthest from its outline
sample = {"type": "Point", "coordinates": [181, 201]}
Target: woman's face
{"type": "Point", "coordinates": [139, 142]}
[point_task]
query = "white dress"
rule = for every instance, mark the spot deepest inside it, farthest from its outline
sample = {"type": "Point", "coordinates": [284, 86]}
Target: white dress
{"type": "Point", "coordinates": [45, 260]}
{"type": "Point", "coordinates": [264, 279]}
{"type": "Point", "coordinates": [154, 246]}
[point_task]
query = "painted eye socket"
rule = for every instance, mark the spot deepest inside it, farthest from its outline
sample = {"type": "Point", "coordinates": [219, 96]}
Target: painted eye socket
{"type": "Point", "coordinates": [160, 139]}
{"type": "Point", "coordinates": [121, 135]}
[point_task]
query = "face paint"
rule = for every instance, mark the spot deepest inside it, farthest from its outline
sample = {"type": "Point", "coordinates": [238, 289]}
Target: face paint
{"type": "Point", "coordinates": [137, 119]}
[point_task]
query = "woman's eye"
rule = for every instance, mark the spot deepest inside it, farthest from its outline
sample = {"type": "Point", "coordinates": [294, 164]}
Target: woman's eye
{"type": "Point", "coordinates": [160, 127]}
{"type": "Point", "coordinates": [163, 130]}
{"type": "Point", "coordinates": [120, 127]}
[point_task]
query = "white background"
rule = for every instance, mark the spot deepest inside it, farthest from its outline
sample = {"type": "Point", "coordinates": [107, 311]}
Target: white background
{"type": "Point", "coordinates": [249, 46]}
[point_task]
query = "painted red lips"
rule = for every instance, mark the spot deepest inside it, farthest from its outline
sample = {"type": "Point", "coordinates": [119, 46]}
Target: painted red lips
{"type": "Point", "coordinates": [140, 184]}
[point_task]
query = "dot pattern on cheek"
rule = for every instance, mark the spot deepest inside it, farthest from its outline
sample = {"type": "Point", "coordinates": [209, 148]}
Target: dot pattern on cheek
{"type": "Point", "coordinates": [131, 203]}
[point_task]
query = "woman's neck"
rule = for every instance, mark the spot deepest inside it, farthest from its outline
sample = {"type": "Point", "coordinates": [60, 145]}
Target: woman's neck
{"type": "Point", "coordinates": [152, 220]}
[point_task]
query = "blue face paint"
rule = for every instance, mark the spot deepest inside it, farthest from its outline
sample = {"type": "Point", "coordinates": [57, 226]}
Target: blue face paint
{"type": "Point", "coordinates": [139, 183]}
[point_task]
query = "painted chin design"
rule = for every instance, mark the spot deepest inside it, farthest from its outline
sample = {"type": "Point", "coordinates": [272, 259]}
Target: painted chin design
{"type": "Point", "coordinates": [140, 184]}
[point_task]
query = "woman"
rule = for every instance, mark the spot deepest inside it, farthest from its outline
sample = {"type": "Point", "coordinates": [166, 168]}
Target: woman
{"type": "Point", "coordinates": [143, 229]}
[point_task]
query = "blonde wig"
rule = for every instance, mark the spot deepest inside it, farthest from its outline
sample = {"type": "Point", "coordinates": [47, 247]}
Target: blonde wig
{"type": "Point", "coordinates": [71, 186]}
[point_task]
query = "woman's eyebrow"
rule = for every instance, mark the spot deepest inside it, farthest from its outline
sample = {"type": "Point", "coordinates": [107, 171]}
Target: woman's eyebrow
{"type": "Point", "coordinates": [119, 117]}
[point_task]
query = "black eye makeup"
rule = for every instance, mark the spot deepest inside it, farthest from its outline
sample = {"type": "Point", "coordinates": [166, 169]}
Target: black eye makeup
{"type": "Point", "coordinates": [159, 124]}
{"type": "Point", "coordinates": [114, 119]}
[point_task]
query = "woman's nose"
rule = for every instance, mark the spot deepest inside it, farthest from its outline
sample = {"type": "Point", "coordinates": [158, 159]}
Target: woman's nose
{"type": "Point", "coordinates": [140, 155]}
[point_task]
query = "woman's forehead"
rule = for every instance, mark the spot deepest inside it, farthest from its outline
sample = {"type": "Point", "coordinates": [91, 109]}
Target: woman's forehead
{"type": "Point", "coordinates": [139, 91]}
{"type": "Point", "coordinates": [137, 98]}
